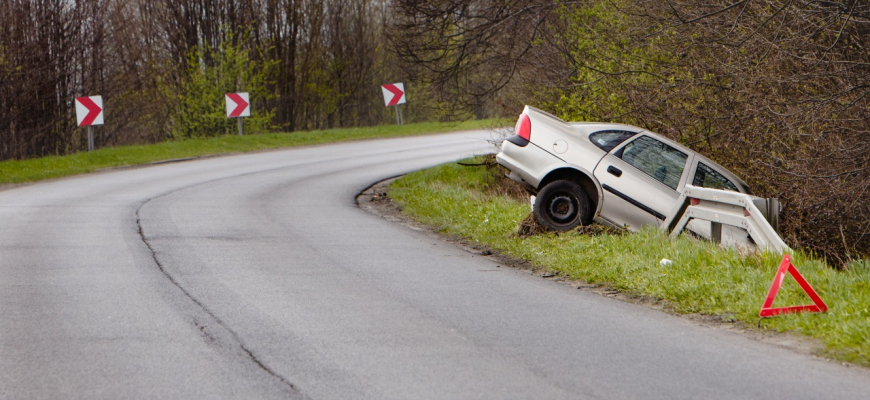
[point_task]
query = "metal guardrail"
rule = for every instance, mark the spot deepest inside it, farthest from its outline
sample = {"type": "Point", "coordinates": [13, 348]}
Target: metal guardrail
{"type": "Point", "coordinates": [758, 216]}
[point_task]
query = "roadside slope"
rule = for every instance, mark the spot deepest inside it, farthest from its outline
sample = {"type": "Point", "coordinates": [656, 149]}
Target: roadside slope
{"type": "Point", "coordinates": [475, 203]}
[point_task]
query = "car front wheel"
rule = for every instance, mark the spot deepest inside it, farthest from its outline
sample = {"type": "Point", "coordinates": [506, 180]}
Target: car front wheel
{"type": "Point", "coordinates": [562, 205]}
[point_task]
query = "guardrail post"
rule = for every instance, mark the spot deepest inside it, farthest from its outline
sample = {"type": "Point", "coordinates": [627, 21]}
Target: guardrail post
{"type": "Point", "coordinates": [716, 232]}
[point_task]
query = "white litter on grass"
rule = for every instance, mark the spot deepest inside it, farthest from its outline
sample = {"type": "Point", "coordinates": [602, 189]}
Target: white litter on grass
{"type": "Point", "coordinates": [665, 262]}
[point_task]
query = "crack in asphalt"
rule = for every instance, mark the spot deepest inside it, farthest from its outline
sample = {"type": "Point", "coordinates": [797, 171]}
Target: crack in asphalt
{"type": "Point", "coordinates": [203, 329]}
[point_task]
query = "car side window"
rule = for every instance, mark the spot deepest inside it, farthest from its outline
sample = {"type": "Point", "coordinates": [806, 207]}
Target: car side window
{"type": "Point", "coordinates": [708, 177]}
{"type": "Point", "coordinates": [657, 159]}
{"type": "Point", "coordinates": [607, 140]}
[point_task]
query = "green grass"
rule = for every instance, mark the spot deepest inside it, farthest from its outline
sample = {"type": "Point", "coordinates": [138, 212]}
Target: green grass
{"type": "Point", "coordinates": [18, 171]}
{"type": "Point", "coordinates": [703, 279]}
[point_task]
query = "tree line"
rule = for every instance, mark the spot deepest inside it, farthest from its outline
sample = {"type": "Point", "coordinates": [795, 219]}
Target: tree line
{"type": "Point", "coordinates": [162, 67]}
{"type": "Point", "coordinates": [778, 91]}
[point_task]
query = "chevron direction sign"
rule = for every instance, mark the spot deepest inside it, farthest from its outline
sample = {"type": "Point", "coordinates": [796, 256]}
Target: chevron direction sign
{"type": "Point", "coordinates": [394, 94]}
{"type": "Point", "coordinates": [238, 105]}
{"type": "Point", "coordinates": [89, 110]}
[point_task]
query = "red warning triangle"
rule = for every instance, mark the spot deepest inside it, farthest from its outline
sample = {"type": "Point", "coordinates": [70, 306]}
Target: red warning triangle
{"type": "Point", "coordinates": [768, 311]}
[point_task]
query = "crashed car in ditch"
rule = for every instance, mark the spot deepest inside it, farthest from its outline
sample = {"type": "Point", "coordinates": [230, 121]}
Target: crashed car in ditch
{"type": "Point", "coordinates": [614, 174]}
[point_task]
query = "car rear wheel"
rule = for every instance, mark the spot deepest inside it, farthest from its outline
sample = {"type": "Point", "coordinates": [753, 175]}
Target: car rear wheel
{"type": "Point", "coordinates": [562, 205]}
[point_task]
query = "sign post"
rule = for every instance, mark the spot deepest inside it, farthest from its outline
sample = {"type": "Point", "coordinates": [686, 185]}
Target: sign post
{"type": "Point", "coordinates": [238, 106]}
{"type": "Point", "coordinates": [394, 95]}
{"type": "Point", "coordinates": [89, 112]}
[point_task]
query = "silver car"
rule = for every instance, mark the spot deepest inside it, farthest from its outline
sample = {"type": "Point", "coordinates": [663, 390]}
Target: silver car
{"type": "Point", "coordinates": [618, 175]}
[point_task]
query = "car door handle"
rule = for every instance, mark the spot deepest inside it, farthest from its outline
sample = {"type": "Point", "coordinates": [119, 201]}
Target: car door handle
{"type": "Point", "coordinates": [614, 171]}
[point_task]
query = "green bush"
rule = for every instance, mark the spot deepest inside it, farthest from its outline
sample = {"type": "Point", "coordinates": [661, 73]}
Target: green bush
{"type": "Point", "coordinates": [210, 75]}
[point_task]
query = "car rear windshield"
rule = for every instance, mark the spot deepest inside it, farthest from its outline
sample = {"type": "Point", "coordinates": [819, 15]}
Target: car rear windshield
{"type": "Point", "coordinates": [607, 140]}
{"type": "Point", "coordinates": [708, 177]}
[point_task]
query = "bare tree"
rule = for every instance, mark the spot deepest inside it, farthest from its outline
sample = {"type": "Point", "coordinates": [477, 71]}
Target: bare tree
{"type": "Point", "coordinates": [471, 50]}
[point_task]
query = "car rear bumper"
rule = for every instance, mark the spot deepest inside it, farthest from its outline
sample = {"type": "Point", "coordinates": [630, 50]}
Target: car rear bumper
{"type": "Point", "coordinates": [527, 165]}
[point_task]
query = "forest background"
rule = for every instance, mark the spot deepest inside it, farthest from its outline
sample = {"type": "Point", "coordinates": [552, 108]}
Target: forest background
{"type": "Point", "coordinates": [775, 90]}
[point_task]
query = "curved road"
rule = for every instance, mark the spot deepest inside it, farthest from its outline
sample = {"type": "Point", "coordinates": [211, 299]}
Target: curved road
{"type": "Point", "coordinates": [256, 276]}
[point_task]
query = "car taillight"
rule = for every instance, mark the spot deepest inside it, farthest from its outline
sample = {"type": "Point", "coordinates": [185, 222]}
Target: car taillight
{"type": "Point", "coordinates": [524, 127]}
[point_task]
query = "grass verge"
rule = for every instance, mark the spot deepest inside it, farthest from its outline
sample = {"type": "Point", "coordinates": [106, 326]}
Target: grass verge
{"type": "Point", "coordinates": [19, 171]}
{"type": "Point", "coordinates": [470, 202]}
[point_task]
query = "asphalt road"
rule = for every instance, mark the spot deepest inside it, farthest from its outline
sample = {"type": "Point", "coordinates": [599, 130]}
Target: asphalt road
{"type": "Point", "coordinates": [257, 276]}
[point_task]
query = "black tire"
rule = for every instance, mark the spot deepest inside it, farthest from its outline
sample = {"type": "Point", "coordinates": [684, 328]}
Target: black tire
{"type": "Point", "coordinates": [562, 205]}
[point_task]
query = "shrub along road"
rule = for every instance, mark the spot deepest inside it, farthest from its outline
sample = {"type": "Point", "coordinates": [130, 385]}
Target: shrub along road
{"type": "Point", "coordinates": [257, 276]}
